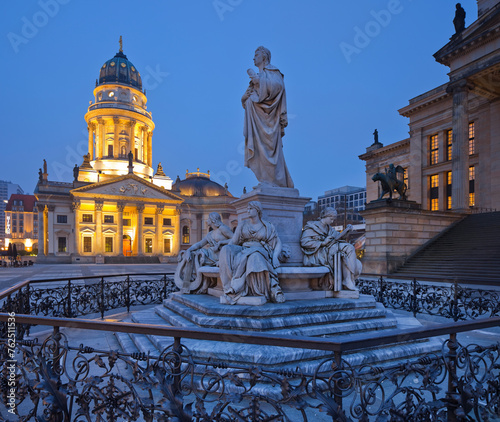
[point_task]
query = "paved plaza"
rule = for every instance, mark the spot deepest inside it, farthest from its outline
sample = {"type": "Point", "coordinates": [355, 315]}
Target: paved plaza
{"type": "Point", "coordinates": [9, 276]}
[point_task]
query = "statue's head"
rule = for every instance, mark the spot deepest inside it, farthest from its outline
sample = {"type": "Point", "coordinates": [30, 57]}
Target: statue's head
{"type": "Point", "coordinates": [328, 212]}
{"type": "Point", "coordinates": [256, 205]}
{"type": "Point", "coordinates": [265, 53]}
{"type": "Point", "coordinates": [214, 219]}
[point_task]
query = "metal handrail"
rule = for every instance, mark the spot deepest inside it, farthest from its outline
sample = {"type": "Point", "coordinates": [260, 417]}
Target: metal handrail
{"type": "Point", "coordinates": [302, 342]}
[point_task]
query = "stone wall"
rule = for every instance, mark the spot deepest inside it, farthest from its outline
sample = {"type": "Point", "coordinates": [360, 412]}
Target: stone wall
{"type": "Point", "coordinates": [395, 230]}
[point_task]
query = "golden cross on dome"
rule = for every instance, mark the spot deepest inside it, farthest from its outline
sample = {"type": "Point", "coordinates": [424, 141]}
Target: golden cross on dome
{"type": "Point", "coordinates": [121, 44]}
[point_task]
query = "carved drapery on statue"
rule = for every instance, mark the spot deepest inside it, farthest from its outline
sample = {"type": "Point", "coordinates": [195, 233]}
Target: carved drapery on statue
{"type": "Point", "coordinates": [265, 121]}
{"type": "Point", "coordinates": [248, 264]}
{"type": "Point", "coordinates": [203, 253]}
{"type": "Point", "coordinates": [322, 246]}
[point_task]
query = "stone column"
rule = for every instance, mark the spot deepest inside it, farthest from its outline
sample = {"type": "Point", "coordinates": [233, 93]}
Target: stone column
{"type": "Point", "coordinates": [41, 230]}
{"type": "Point", "coordinates": [143, 144]}
{"type": "Point", "coordinates": [158, 250]}
{"type": "Point", "coordinates": [91, 140]}
{"type": "Point", "coordinates": [131, 137]}
{"type": "Point", "coordinates": [140, 223]}
{"type": "Point", "coordinates": [120, 206]}
{"type": "Point", "coordinates": [150, 149]}
{"type": "Point", "coordinates": [75, 207]}
{"type": "Point", "coordinates": [50, 229]}
{"type": "Point", "coordinates": [176, 240]}
{"type": "Point", "coordinates": [98, 227]}
{"type": "Point", "coordinates": [116, 143]}
{"type": "Point", "coordinates": [460, 154]}
{"type": "Point", "coordinates": [101, 127]}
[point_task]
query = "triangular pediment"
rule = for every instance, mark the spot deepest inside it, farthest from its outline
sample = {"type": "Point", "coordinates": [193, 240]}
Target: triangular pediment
{"type": "Point", "coordinates": [123, 187]}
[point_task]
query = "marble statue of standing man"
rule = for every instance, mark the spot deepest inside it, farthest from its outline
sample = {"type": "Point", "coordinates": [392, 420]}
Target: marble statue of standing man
{"type": "Point", "coordinates": [265, 120]}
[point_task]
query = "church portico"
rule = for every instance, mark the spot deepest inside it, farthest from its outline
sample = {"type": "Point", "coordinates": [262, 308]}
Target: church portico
{"type": "Point", "coordinates": [117, 206]}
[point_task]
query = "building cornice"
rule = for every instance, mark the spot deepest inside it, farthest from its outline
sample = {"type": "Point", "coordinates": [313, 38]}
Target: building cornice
{"type": "Point", "coordinates": [384, 150]}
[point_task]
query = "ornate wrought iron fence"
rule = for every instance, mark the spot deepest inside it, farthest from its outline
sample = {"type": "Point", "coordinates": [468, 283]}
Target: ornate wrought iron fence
{"type": "Point", "coordinates": [81, 296]}
{"type": "Point", "coordinates": [449, 301]}
{"type": "Point", "coordinates": [54, 381]}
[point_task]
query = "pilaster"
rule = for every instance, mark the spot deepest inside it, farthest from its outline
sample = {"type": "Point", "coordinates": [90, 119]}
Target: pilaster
{"type": "Point", "coordinates": [120, 207]}
{"type": "Point", "coordinates": [98, 227]}
{"type": "Point", "coordinates": [460, 152]}
{"type": "Point", "coordinates": [140, 223]}
{"type": "Point", "coordinates": [158, 233]}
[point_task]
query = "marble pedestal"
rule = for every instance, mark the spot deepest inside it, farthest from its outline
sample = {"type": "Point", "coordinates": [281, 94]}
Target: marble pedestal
{"type": "Point", "coordinates": [284, 208]}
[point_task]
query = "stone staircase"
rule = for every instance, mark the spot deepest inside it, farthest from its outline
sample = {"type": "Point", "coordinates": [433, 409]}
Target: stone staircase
{"type": "Point", "coordinates": [468, 251]}
{"type": "Point", "coordinates": [339, 319]}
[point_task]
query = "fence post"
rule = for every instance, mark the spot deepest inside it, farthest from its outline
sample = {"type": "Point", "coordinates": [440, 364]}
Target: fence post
{"type": "Point", "coordinates": [337, 392]}
{"type": "Point", "coordinates": [102, 297]}
{"type": "Point", "coordinates": [380, 294]}
{"type": "Point", "coordinates": [68, 301]}
{"type": "Point", "coordinates": [164, 293]}
{"type": "Point", "coordinates": [414, 298]}
{"type": "Point", "coordinates": [177, 365]}
{"type": "Point", "coordinates": [454, 305]}
{"type": "Point", "coordinates": [127, 294]}
{"type": "Point", "coordinates": [451, 395]}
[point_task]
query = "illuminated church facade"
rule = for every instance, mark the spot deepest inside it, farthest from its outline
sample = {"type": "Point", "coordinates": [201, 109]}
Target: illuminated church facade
{"type": "Point", "coordinates": [118, 209]}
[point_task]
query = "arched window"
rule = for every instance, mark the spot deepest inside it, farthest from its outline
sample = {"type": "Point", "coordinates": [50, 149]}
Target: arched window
{"type": "Point", "coordinates": [185, 234]}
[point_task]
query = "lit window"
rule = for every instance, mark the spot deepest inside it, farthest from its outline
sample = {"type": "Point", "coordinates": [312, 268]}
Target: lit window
{"type": "Point", "coordinates": [87, 218]}
{"type": "Point", "coordinates": [109, 219]}
{"type": "Point", "coordinates": [111, 94]}
{"type": "Point", "coordinates": [167, 245]}
{"type": "Point", "coordinates": [472, 182]}
{"type": "Point", "coordinates": [472, 139]}
{"type": "Point", "coordinates": [405, 178]}
{"type": "Point", "coordinates": [185, 234]}
{"type": "Point", "coordinates": [61, 244]}
{"type": "Point", "coordinates": [434, 148]}
{"type": "Point", "coordinates": [127, 222]}
{"type": "Point", "coordinates": [149, 246]}
{"type": "Point", "coordinates": [434, 192]}
{"type": "Point", "coordinates": [87, 244]}
{"type": "Point", "coordinates": [448, 190]}
{"type": "Point", "coordinates": [449, 145]}
{"type": "Point", "coordinates": [108, 244]}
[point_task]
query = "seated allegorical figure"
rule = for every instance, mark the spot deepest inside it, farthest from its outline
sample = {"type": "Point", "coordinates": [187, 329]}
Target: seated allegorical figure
{"type": "Point", "coordinates": [248, 263]}
{"type": "Point", "coordinates": [204, 252]}
{"type": "Point", "coordinates": [320, 243]}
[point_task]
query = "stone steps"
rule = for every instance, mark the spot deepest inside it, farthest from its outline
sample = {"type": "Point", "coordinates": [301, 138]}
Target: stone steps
{"type": "Point", "coordinates": [467, 251]}
{"type": "Point", "coordinates": [339, 319]}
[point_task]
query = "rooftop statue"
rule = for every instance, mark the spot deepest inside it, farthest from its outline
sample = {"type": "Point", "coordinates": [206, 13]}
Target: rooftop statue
{"type": "Point", "coordinates": [248, 263]}
{"type": "Point", "coordinates": [459, 20]}
{"type": "Point", "coordinates": [204, 252]}
{"type": "Point", "coordinates": [265, 120]}
{"type": "Point", "coordinates": [390, 182]}
{"type": "Point", "coordinates": [324, 246]}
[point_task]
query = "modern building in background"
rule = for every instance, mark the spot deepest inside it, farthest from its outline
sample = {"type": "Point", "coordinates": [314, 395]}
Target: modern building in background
{"type": "Point", "coordinates": [21, 223]}
{"type": "Point", "coordinates": [347, 200]}
{"type": "Point", "coordinates": [118, 208]}
{"type": "Point", "coordinates": [6, 190]}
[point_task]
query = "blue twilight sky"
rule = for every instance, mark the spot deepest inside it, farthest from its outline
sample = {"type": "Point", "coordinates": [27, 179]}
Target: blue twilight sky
{"type": "Point", "coordinates": [348, 66]}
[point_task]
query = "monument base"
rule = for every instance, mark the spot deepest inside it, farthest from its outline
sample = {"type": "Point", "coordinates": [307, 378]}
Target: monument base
{"type": "Point", "coordinates": [396, 229]}
{"type": "Point", "coordinates": [335, 318]}
{"type": "Point", "coordinates": [284, 208]}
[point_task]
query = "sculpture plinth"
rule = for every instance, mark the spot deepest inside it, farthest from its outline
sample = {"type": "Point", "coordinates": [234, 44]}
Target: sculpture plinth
{"type": "Point", "coordinates": [284, 208]}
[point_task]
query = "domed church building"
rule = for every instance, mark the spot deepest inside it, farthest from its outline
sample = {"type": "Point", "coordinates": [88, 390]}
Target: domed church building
{"type": "Point", "coordinates": [118, 208]}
